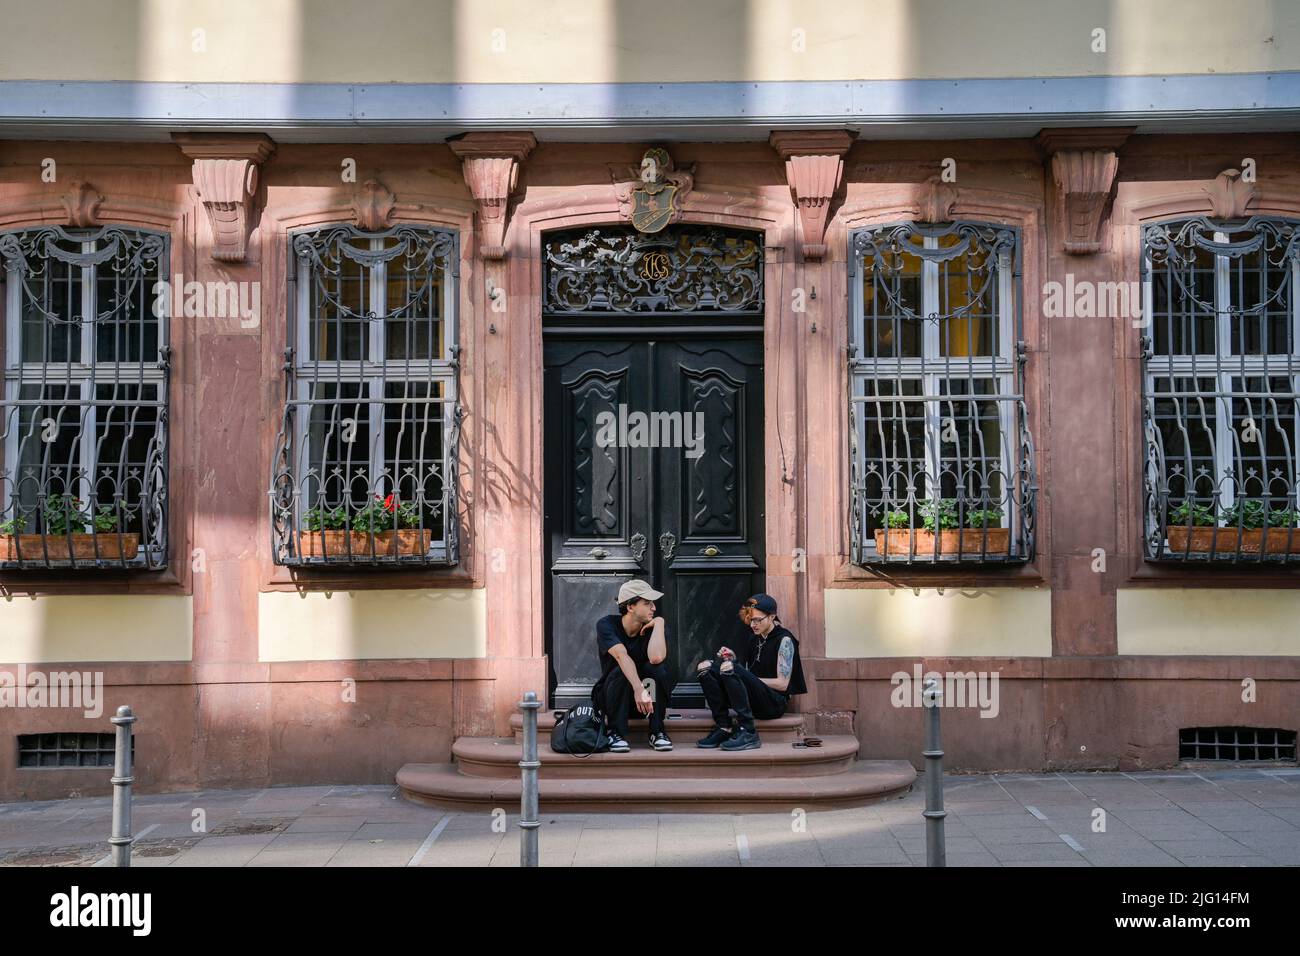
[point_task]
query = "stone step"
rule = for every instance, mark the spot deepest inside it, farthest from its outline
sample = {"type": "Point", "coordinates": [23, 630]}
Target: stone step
{"type": "Point", "coordinates": [861, 783]}
{"type": "Point", "coordinates": [684, 725]}
{"type": "Point", "coordinates": [500, 756]}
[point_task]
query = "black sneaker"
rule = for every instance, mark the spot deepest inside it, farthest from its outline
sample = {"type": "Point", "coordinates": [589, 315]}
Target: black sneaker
{"type": "Point", "coordinates": [743, 740]}
{"type": "Point", "coordinates": [715, 738]}
{"type": "Point", "coordinates": [660, 741]}
{"type": "Point", "coordinates": [618, 745]}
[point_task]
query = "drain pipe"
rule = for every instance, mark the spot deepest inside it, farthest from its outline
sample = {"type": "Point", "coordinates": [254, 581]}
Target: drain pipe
{"type": "Point", "coordinates": [121, 840]}
{"type": "Point", "coordinates": [935, 852]}
{"type": "Point", "coordinates": [528, 821]}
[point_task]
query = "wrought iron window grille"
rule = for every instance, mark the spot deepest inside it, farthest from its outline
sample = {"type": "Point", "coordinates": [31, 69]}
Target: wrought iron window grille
{"type": "Point", "coordinates": [1221, 391]}
{"type": "Point", "coordinates": [1237, 744]}
{"type": "Point", "coordinates": [83, 437]}
{"type": "Point", "coordinates": [365, 465]}
{"type": "Point", "coordinates": [685, 268]}
{"type": "Point", "coordinates": [941, 454]}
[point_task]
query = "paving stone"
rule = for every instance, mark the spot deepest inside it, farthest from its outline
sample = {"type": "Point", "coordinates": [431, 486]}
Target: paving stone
{"type": "Point", "coordinates": [392, 831]}
{"type": "Point", "coordinates": [326, 825]}
{"type": "Point", "coordinates": [1034, 852]}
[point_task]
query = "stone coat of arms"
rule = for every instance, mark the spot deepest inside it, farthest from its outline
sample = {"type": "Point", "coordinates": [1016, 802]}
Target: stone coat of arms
{"type": "Point", "coordinates": [655, 194]}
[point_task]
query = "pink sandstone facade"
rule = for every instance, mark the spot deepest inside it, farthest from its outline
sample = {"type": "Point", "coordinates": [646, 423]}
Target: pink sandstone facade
{"type": "Point", "coordinates": [228, 717]}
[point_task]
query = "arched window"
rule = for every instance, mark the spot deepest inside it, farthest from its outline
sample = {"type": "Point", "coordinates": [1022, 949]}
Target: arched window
{"type": "Point", "coordinates": [1221, 373]}
{"type": "Point", "coordinates": [941, 455]}
{"type": "Point", "coordinates": [365, 469]}
{"type": "Point", "coordinates": [83, 477]}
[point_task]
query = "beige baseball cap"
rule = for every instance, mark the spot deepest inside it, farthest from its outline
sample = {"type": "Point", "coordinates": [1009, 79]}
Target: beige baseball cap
{"type": "Point", "coordinates": [637, 589]}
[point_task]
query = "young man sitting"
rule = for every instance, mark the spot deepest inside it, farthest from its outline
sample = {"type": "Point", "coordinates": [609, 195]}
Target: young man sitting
{"type": "Point", "coordinates": [632, 647]}
{"type": "Point", "coordinates": [758, 684]}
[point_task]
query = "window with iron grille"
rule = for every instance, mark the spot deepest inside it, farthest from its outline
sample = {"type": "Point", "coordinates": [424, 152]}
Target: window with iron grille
{"type": "Point", "coordinates": [83, 440]}
{"type": "Point", "coordinates": [365, 470]}
{"type": "Point", "coordinates": [1221, 377]}
{"type": "Point", "coordinates": [941, 457]}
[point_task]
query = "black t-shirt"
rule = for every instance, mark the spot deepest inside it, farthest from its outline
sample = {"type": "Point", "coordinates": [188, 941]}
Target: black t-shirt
{"type": "Point", "coordinates": [762, 660]}
{"type": "Point", "coordinates": [609, 631]}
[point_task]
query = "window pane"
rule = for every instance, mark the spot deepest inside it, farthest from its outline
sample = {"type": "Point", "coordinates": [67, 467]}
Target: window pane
{"type": "Point", "coordinates": [126, 329]}
{"type": "Point", "coordinates": [339, 446]}
{"type": "Point", "coordinates": [126, 430]}
{"type": "Point", "coordinates": [1263, 439]}
{"type": "Point", "coordinates": [892, 304]}
{"type": "Point", "coordinates": [340, 302]}
{"type": "Point", "coordinates": [1183, 305]}
{"type": "Point", "coordinates": [1186, 421]}
{"type": "Point", "coordinates": [413, 315]}
{"type": "Point", "coordinates": [969, 441]}
{"type": "Point", "coordinates": [49, 450]}
{"type": "Point", "coordinates": [51, 313]}
{"type": "Point", "coordinates": [894, 474]}
{"type": "Point", "coordinates": [967, 290]}
{"type": "Point", "coordinates": [414, 446]}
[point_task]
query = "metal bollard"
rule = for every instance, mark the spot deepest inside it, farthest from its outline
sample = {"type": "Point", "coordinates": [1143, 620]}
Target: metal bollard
{"type": "Point", "coordinates": [121, 840]}
{"type": "Point", "coordinates": [935, 853]}
{"type": "Point", "coordinates": [528, 821]}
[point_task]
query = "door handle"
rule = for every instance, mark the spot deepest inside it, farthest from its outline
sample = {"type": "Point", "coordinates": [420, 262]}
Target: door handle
{"type": "Point", "coordinates": [710, 552]}
{"type": "Point", "coordinates": [598, 553]}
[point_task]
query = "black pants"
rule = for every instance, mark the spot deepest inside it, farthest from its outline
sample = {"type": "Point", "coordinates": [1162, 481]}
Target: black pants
{"type": "Point", "coordinates": [744, 693]}
{"type": "Point", "coordinates": [613, 695]}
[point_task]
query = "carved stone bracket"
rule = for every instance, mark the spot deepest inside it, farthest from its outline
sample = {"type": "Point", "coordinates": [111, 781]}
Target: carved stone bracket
{"type": "Point", "coordinates": [372, 205]}
{"type": "Point", "coordinates": [814, 166]}
{"type": "Point", "coordinates": [1230, 195]}
{"type": "Point", "coordinates": [82, 203]}
{"type": "Point", "coordinates": [1083, 165]}
{"type": "Point", "coordinates": [491, 164]}
{"type": "Point", "coordinates": [225, 174]}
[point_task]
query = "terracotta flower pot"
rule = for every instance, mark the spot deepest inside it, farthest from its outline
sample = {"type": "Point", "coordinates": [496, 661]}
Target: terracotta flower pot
{"type": "Point", "coordinates": [406, 542]}
{"type": "Point", "coordinates": [969, 541]}
{"type": "Point", "coordinates": [1224, 540]}
{"type": "Point", "coordinates": [106, 546]}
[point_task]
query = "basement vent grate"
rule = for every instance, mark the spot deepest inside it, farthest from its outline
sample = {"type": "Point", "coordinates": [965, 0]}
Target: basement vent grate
{"type": "Point", "coordinates": [65, 751]}
{"type": "Point", "coordinates": [1236, 744]}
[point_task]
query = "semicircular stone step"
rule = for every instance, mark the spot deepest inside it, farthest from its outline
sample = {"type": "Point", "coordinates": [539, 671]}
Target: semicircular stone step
{"type": "Point", "coordinates": [862, 782]}
{"type": "Point", "coordinates": [500, 756]}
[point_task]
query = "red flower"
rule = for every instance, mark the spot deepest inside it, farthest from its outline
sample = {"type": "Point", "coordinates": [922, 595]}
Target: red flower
{"type": "Point", "coordinates": [388, 503]}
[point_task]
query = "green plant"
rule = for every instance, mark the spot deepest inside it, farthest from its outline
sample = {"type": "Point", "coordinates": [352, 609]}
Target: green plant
{"type": "Point", "coordinates": [106, 519]}
{"type": "Point", "coordinates": [15, 525]}
{"type": "Point", "coordinates": [375, 516]}
{"type": "Point", "coordinates": [1199, 516]}
{"type": "Point", "coordinates": [943, 516]}
{"type": "Point", "coordinates": [1250, 514]}
{"type": "Point", "coordinates": [896, 519]}
{"type": "Point", "coordinates": [64, 515]}
{"type": "Point", "coordinates": [325, 519]}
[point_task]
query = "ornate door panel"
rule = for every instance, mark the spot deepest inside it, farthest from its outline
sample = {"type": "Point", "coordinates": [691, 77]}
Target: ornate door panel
{"type": "Point", "coordinates": [711, 496]}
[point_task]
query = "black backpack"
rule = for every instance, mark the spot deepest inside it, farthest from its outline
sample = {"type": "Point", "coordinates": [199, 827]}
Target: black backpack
{"type": "Point", "coordinates": [580, 731]}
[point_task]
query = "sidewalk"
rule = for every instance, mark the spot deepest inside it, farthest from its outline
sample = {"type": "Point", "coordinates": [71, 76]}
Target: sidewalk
{"type": "Point", "coordinates": [1238, 817]}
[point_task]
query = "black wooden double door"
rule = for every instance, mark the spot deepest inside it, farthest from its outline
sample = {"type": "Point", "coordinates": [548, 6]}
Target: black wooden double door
{"type": "Point", "coordinates": [654, 470]}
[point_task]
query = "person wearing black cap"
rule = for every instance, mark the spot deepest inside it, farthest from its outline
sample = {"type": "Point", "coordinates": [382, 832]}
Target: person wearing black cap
{"type": "Point", "coordinates": [632, 646]}
{"type": "Point", "coordinates": [759, 682]}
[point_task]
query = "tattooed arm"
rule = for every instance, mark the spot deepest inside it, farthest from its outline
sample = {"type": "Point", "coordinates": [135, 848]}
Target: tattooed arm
{"type": "Point", "coordinates": [784, 667]}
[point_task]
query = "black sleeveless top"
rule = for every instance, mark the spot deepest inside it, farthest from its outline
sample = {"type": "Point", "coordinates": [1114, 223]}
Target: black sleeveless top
{"type": "Point", "coordinates": [762, 655]}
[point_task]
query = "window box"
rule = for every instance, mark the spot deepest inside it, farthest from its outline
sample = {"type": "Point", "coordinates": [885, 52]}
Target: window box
{"type": "Point", "coordinates": [408, 542]}
{"type": "Point", "coordinates": [1230, 540]}
{"type": "Point", "coordinates": [80, 547]}
{"type": "Point", "coordinates": [917, 542]}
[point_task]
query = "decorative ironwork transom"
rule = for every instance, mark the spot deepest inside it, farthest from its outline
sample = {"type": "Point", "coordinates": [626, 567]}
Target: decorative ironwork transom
{"type": "Point", "coordinates": [941, 455]}
{"type": "Point", "coordinates": [83, 437]}
{"type": "Point", "coordinates": [1221, 391]}
{"type": "Point", "coordinates": [686, 268]}
{"type": "Point", "coordinates": [365, 471]}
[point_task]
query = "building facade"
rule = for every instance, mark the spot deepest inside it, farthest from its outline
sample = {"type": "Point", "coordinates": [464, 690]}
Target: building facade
{"type": "Point", "coordinates": [334, 414]}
